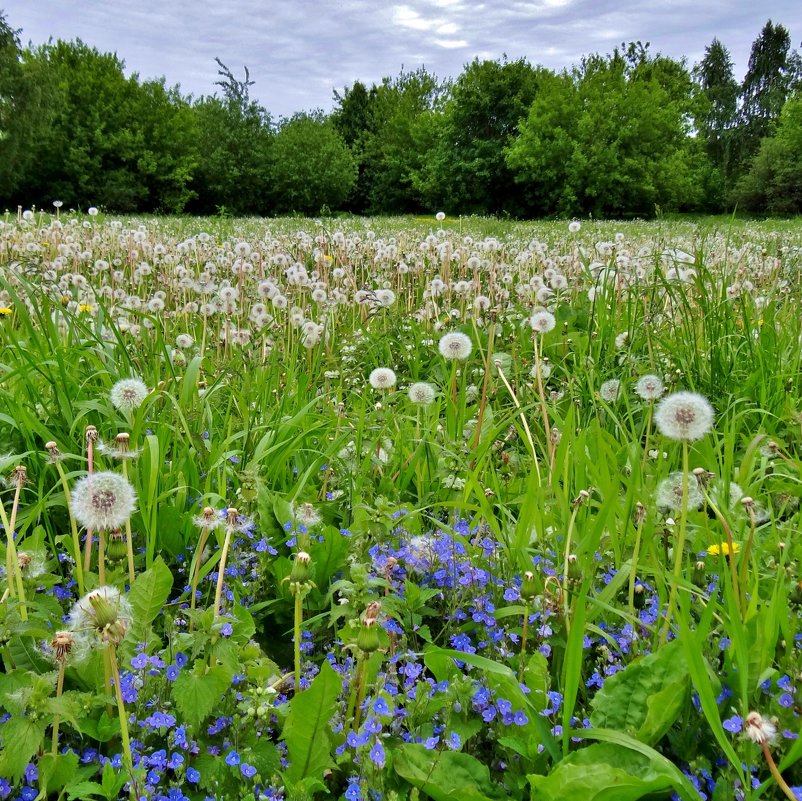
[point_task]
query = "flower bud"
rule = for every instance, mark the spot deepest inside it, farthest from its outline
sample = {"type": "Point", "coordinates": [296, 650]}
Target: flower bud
{"type": "Point", "coordinates": [529, 589]}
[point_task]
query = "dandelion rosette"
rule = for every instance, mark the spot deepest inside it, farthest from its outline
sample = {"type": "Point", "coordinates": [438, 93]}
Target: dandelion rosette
{"type": "Point", "coordinates": [684, 416]}
{"type": "Point", "coordinates": [103, 501]}
{"type": "Point", "coordinates": [128, 394]}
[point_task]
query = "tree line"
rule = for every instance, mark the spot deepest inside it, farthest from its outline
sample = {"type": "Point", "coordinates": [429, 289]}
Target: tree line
{"type": "Point", "coordinates": [622, 134]}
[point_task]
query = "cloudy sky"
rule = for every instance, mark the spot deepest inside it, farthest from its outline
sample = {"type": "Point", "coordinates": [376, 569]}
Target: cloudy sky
{"type": "Point", "coordinates": [299, 51]}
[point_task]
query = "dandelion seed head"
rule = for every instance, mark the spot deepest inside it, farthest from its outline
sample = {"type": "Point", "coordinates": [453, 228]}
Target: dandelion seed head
{"type": "Point", "coordinates": [610, 390]}
{"type": "Point", "coordinates": [669, 492]}
{"type": "Point", "coordinates": [542, 321]}
{"type": "Point", "coordinates": [128, 394]}
{"type": "Point", "coordinates": [103, 501]}
{"type": "Point", "coordinates": [684, 416]}
{"type": "Point", "coordinates": [649, 387]}
{"type": "Point", "coordinates": [382, 378]}
{"type": "Point", "coordinates": [455, 345]}
{"type": "Point", "coordinates": [421, 393]}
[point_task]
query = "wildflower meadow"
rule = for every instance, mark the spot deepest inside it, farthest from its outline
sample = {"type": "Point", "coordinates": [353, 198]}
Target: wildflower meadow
{"type": "Point", "coordinates": [384, 509]}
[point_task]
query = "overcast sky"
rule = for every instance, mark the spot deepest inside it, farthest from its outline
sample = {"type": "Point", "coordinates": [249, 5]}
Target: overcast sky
{"type": "Point", "coordinates": [298, 52]}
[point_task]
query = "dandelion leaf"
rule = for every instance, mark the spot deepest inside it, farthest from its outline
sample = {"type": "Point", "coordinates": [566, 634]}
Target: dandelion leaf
{"type": "Point", "coordinates": [646, 697]}
{"type": "Point", "coordinates": [306, 730]}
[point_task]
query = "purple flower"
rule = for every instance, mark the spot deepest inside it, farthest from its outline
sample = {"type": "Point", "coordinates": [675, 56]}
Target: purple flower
{"type": "Point", "coordinates": [181, 659]}
{"type": "Point", "coordinates": [172, 672]}
{"type": "Point", "coordinates": [232, 758]}
{"type": "Point", "coordinates": [193, 776]}
{"type": "Point", "coordinates": [380, 706]}
{"type": "Point", "coordinates": [248, 771]}
{"type": "Point", "coordinates": [139, 662]}
{"type": "Point", "coordinates": [734, 725]}
{"type": "Point", "coordinates": [227, 630]}
{"type": "Point", "coordinates": [377, 753]}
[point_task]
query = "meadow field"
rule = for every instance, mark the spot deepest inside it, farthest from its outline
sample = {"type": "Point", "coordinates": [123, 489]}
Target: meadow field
{"type": "Point", "coordinates": [410, 508]}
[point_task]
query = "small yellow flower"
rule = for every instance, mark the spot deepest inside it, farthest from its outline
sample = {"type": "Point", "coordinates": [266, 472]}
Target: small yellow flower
{"type": "Point", "coordinates": [5, 311]}
{"type": "Point", "coordinates": [86, 307]}
{"type": "Point", "coordinates": [722, 548]}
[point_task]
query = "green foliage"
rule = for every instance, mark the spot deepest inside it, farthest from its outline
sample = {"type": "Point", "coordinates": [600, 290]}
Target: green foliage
{"type": "Point", "coordinates": [439, 775]}
{"type": "Point", "coordinates": [306, 730]}
{"type": "Point", "coordinates": [610, 138]}
{"type": "Point", "coordinates": [147, 596]}
{"type": "Point", "coordinates": [310, 166]}
{"type": "Point", "coordinates": [645, 699]}
{"type": "Point", "coordinates": [196, 693]}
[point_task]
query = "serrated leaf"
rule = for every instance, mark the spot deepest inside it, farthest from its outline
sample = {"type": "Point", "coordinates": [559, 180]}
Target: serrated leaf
{"type": "Point", "coordinates": [147, 596]}
{"type": "Point", "coordinates": [26, 736]}
{"type": "Point", "coordinates": [646, 697]}
{"type": "Point", "coordinates": [445, 775]}
{"type": "Point", "coordinates": [306, 730]}
{"type": "Point", "coordinates": [197, 692]}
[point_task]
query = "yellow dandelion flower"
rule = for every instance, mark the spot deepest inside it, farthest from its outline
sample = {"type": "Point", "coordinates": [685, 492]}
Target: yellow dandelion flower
{"type": "Point", "coordinates": [718, 548]}
{"type": "Point", "coordinates": [5, 311]}
{"type": "Point", "coordinates": [86, 307]}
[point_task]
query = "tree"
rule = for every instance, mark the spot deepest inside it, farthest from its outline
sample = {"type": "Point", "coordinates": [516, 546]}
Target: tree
{"type": "Point", "coordinates": [310, 166]}
{"type": "Point", "coordinates": [774, 180]}
{"type": "Point", "coordinates": [765, 86]}
{"type": "Point", "coordinates": [466, 170]}
{"type": "Point", "coordinates": [609, 138]}
{"type": "Point", "coordinates": [234, 139]}
{"type": "Point", "coordinates": [716, 116]}
{"type": "Point", "coordinates": [352, 120]}
{"type": "Point", "coordinates": [398, 140]}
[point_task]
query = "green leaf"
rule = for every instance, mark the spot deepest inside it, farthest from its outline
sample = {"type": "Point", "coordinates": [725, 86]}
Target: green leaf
{"type": "Point", "coordinates": [26, 736]}
{"type": "Point", "coordinates": [441, 662]}
{"type": "Point", "coordinates": [84, 790]}
{"type": "Point", "coordinates": [646, 697]}
{"type": "Point", "coordinates": [196, 693]}
{"type": "Point", "coordinates": [147, 596]}
{"type": "Point", "coordinates": [445, 775]}
{"type": "Point", "coordinates": [56, 771]}
{"type": "Point", "coordinates": [602, 772]}
{"type": "Point", "coordinates": [306, 730]}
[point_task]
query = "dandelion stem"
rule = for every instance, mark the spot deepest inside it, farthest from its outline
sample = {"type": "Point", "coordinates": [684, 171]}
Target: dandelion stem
{"type": "Point", "coordinates": [76, 540]}
{"type": "Point", "coordinates": [679, 546]}
{"type": "Point", "coordinates": [781, 783]}
{"type": "Point", "coordinates": [221, 570]}
{"type": "Point", "coordinates": [129, 543]}
{"type": "Point", "coordinates": [17, 570]}
{"type": "Point", "coordinates": [298, 617]}
{"type": "Point", "coordinates": [124, 737]}
{"type": "Point", "coordinates": [634, 565]}
{"type": "Point", "coordinates": [56, 717]}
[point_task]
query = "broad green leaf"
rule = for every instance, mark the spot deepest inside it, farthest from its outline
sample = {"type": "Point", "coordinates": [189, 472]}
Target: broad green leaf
{"type": "Point", "coordinates": [602, 772]}
{"type": "Point", "coordinates": [196, 693]}
{"type": "Point", "coordinates": [56, 771]}
{"type": "Point", "coordinates": [646, 697]}
{"type": "Point", "coordinates": [147, 596]}
{"type": "Point", "coordinates": [306, 730]}
{"type": "Point", "coordinates": [440, 662]}
{"type": "Point", "coordinates": [26, 737]}
{"type": "Point", "coordinates": [83, 790]}
{"type": "Point", "coordinates": [445, 775]}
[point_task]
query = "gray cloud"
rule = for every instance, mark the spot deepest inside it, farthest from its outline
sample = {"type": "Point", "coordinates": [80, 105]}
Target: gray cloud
{"type": "Point", "coordinates": [299, 52]}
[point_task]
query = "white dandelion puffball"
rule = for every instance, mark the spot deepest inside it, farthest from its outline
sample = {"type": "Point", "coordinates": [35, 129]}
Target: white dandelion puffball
{"type": "Point", "coordinates": [542, 321]}
{"type": "Point", "coordinates": [92, 211]}
{"type": "Point", "coordinates": [102, 614]}
{"type": "Point", "coordinates": [440, 216]}
{"type": "Point", "coordinates": [574, 226]}
{"type": "Point", "coordinates": [382, 378]}
{"type": "Point", "coordinates": [684, 416]}
{"type": "Point", "coordinates": [128, 394]}
{"type": "Point", "coordinates": [610, 390]}
{"type": "Point", "coordinates": [103, 501]}
{"type": "Point", "coordinates": [421, 393]}
{"type": "Point", "coordinates": [669, 492]}
{"type": "Point", "coordinates": [455, 345]}
{"type": "Point", "coordinates": [649, 387]}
